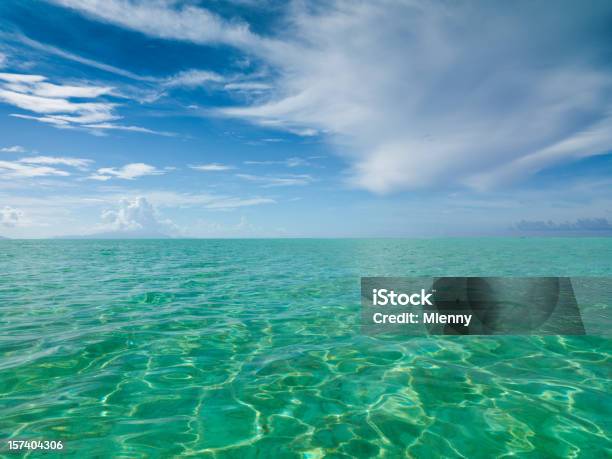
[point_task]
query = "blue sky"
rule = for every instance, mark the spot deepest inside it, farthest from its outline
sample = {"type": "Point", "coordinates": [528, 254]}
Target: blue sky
{"type": "Point", "coordinates": [252, 118]}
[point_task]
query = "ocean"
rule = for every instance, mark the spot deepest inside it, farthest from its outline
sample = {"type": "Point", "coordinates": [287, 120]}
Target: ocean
{"type": "Point", "coordinates": [252, 348]}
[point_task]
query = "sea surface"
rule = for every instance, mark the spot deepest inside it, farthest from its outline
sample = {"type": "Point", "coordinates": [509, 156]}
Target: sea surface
{"type": "Point", "coordinates": [252, 348]}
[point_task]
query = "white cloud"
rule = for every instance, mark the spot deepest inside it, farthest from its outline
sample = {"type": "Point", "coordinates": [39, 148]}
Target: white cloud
{"type": "Point", "coordinates": [289, 162]}
{"type": "Point", "coordinates": [247, 86]}
{"type": "Point", "coordinates": [61, 124]}
{"type": "Point", "coordinates": [204, 200]}
{"type": "Point", "coordinates": [19, 78]}
{"type": "Point", "coordinates": [78, 163]}
{"type": "Point", "coordinates": [139, 216]}
{"type": "Point", "coordinates": [188, 78]}
{"type": "Point", "coordinates": [3, 59]}
{"type": "Point", "coordinates": [119, 127]}
{"type": "Point", "coordinates": [442, 95]}
{"type": "Point", "coordinates": [67, 91]}
{"type": "Point", "coordinates": [271, 181]}
{"type": "Point", "coordinates": [127, 172]}
{"type": "Point", "coordinates": [51, 214]}
{"type": "Point", "coordinates": [228, 202]}
{"type": "Point", "coordinates": [36, 85]}
{"type": "Point", "coordinates": [10, 216]}
{"type": "Point", "coordinates": [89, 112]}
{"type": "Point", "coordinates": [192, 78]}
{"type": "Point", "coordinates": [14, 169]}
{"type": "Point", "coordinates": [594, 139]}
{"type": "Point", "coordinates": [163, 20]}
{"type": "Point", "coordinates": [34, 94]}
{"type": "Point", "coordinates": [81, 60]}
{"type": "Point", "coordinates": [438, 96]}
{"type": "Point", "coordinates": [212, 167]}
{"type": "Point", "coordinates": [13, 149]}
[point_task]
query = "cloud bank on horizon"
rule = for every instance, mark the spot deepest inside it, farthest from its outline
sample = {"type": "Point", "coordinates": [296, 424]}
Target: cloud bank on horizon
{"type": "Point", "coordinates": [454, 103]}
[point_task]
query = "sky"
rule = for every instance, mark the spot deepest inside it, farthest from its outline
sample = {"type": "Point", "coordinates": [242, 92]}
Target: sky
{"type": "Point", "coordinates": [254, 118]}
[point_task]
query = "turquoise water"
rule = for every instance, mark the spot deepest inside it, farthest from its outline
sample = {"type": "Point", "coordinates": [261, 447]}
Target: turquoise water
{"type": "Point", "coordinates": [251, 348]}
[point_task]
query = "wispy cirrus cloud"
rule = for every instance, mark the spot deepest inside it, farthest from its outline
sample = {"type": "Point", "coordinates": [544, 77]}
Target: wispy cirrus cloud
{"type": "Point", "coordinates": [210, 201]}
{"type": "Point", "coordinates": [192, 78]}
{"type": "Point", "coordinates": [32, 93]}
{"type": "Point", "coordinates": [212, 167]}
{"type": "Point", "coordinates": [16, 169]}
{"type": "Point", "coordinates": [78, 163]}
{"type": "Point", "coordinates": [155, 87]}
{"type": "Point", "coordinates": [248, 86]}
{"type": "Point", "coordinates": [40, 166]}
{"type": "Point", "coordinates": [49, 49]}
{"type": "Point", "coordinates": [447, 109]}
{"type": "Point", "coordinates": [13, 149]}
{"type": "Point", "coordinates": [268, 181]}
{"type": "Point", "coordinates": [54, 104]}
{"type": "Point", "coordinates": [37, 86]}
{"type": "Point", "coordinates": [127, 172]}
{"type": "Point", "coordinates": [443, 95]}
{"type": "Point", "coordinates": [160, 19]}
{"type": "Point", "coordinates": [101, 127]}
{"type": "Point", "coordinates": [289, 162]}
{"type": "Point", "coordinates": [60, 110]}
{"type": "Point", "coordinates": [228, 202]}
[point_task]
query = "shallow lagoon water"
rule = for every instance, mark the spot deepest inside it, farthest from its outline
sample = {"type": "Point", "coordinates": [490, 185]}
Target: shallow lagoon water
{"type": "Point", "coordinates": [252, 348]}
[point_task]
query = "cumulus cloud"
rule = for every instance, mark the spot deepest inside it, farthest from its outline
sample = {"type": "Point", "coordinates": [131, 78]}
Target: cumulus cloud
{"type": "Point", "coordinates": [212, 167]}
{"type": "Point", "coordinates": [10, 216]}
{"type": "Point", "coordinates": [13, 149]}
{"type": "Point", "coordinates": [127, 172]}
{"type": "Point", "coordinates": [444, 94]}
{"type": "Point", "coordinates": [137, 216]}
